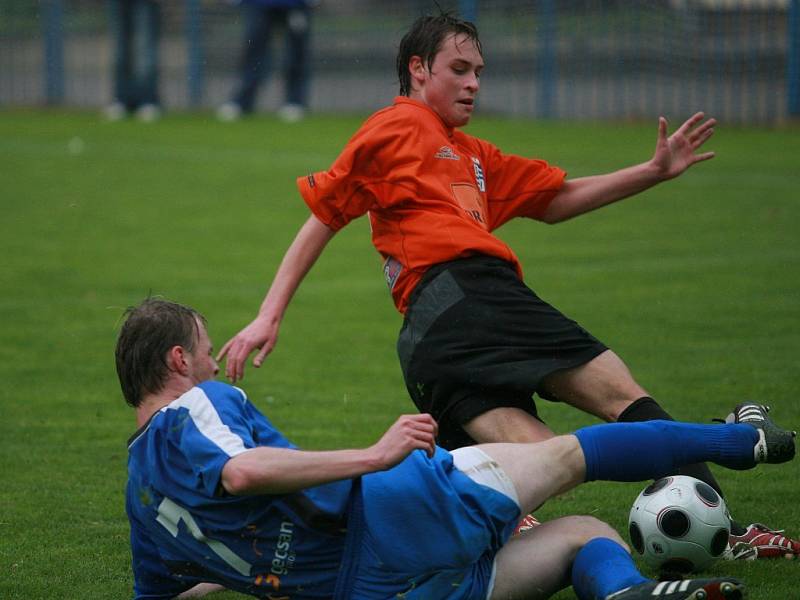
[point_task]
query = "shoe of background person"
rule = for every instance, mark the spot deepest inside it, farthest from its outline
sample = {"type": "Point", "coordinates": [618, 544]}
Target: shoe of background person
{"type": "Point", "coordinates": [228, 112]}
{"type": "Point", "coordinates": [147, 113]}
{"type": "Point", "coordinates": [724, 588]}
{"type": "Point", "coordinates": [115, 111]}
{"type": "Point", "coordinates": [291, 113]}
{"type": "Point", "coordinates": [775, 445]}
{"type": "Point", "coordinates": [527, 522]}
{"type": "Point", "coordinates": [759, 541]}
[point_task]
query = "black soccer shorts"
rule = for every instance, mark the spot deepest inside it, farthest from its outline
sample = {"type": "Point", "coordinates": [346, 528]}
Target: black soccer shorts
{"type": "Point", "coordinates": [475, 337]}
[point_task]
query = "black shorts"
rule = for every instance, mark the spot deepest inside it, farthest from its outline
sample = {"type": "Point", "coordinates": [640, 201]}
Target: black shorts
{"type": "Point", "coordinates": [475, 338]}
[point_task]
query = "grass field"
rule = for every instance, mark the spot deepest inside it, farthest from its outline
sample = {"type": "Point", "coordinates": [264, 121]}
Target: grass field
{"type": "Point", "coordinates": [695, 283]}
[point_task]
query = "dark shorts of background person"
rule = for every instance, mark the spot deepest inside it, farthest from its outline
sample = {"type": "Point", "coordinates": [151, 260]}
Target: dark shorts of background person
{"type": "Point", "coordinates": [475, 337]}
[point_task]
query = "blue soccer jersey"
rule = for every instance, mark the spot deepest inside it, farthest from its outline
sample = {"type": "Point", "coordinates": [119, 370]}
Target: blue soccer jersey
{"type": "Point", "coordinates": [186, 529]}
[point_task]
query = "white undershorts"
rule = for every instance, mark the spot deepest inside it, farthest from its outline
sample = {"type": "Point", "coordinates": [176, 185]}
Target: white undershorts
{"type": "Point", "coordinates": [482, 469]}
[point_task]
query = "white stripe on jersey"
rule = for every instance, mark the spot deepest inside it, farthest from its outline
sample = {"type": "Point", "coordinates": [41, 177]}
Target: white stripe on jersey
{"type": "Point", "coordinates": [207, 420]}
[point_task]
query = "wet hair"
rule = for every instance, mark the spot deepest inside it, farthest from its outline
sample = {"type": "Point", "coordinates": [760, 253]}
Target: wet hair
{"type": "Point", "coordinates": [425, 39]}
{"type": "Point", "coordinates": [148, 333]}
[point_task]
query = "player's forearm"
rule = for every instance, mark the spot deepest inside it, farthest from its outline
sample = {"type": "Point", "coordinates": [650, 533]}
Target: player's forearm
{"type": "Point", "coordinates": [585, 194]}
{"type": "Point", "coordinates": [280, 470]}
{"type": "Point", "coordinates": [298, 260]}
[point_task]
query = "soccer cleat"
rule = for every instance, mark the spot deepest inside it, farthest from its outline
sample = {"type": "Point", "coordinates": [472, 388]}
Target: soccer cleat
{"type": "Point", "coordinates": [759, 541]}
{"type": "Point", "coordinates": [775, 445]}
{"type": "Point", "coordinates": [527, 522]}
{"type": "Point", "coordinates": [687, 589]}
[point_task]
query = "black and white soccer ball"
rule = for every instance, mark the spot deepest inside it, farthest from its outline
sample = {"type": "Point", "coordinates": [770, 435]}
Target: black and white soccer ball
{"type": "Point", "coordinates": [679, 524]}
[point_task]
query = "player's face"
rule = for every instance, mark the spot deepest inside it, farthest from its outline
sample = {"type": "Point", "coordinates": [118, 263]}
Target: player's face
{"type": "Point", "coordinates": [203, 365]}
{"type": "Point", "coordinates": [451, 85]}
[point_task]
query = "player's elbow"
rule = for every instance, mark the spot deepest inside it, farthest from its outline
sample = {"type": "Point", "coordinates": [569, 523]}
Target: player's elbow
{"type": "Point", "coordinates": [550, 218]}
{"type": "Point", "coordinates": [553, 215]}
{"type": "Point", "coordinates": [555, 212]}
{"type": "Point", "coordinates": [236, 478]}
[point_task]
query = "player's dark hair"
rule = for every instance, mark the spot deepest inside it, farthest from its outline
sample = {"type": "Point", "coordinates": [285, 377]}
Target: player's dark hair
{"type": "Point", "coordinates": [149, 331]}
{"type": "Point", "coordinates": [425, 39]}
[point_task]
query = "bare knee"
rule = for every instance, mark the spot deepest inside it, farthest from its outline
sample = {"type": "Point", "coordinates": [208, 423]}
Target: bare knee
{"type": "Point", "coordinates": [585, 528]}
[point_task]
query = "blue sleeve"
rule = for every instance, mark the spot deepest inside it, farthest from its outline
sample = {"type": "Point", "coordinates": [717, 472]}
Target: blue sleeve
{"type": "Point", "coordinates": [219, 423]}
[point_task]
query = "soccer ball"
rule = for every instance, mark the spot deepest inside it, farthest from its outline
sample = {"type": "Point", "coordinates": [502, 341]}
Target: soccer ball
{"type": "Point", "coordinates": [679, 524]}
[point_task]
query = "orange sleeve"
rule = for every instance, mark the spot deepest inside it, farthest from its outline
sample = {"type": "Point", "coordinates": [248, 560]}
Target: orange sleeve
{"type": "Point", "coordinates": [518, 186]}
{"type": "Point", "coordinates": [355, 183]}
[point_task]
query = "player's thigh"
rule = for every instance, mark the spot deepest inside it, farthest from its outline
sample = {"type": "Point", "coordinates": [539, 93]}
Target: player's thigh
{"type": "Point", "coordinates": [603, 386]}
{"type": "Point", "coordinates": [542, 470]}
{"type": "Point", "coordinates": [507, 424]}
{"type": "Point", "coordinates": [536, 564]}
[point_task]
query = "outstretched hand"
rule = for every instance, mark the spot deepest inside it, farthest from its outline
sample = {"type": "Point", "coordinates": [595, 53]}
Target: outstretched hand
{"type": "Point", "coordinates": [679, 151]}
{"type": "Point", "coordinates": [261, 334]}
{"type": "Point", "coordinates": [408, 433]}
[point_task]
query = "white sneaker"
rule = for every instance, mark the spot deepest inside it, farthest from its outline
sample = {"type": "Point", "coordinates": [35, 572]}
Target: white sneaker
{"type": "Point", "coordinates": [230, 111]}
{"type": "Point", "coordinates": [115, 111]}
{"type": "Point", "coordinates": [291, 113]}
{"type": "Point", "coordinates": [148, 113]}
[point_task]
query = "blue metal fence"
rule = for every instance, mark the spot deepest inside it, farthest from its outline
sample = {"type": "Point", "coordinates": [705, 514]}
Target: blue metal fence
{"type": "Point", "coordinates": [571, 59]}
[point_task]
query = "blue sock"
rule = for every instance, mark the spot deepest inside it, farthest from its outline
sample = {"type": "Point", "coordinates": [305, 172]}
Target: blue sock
{"type": "Point", "coordinates": [603, 567]}
{"type": "Point", "coordinates": [654, 449]}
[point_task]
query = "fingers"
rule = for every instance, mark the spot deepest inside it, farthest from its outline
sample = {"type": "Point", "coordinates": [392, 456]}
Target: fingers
{"type": "Point", "coordinates": [700, 135]}
{"type": "Point", "coordinates": [224, 350]}
{"type": "Point", "coordinates": [237, 352]}
{"type": "Point", "coordinates": [695, 131]}
{"type": "Point", "coordinates": [662, 128]}
{"type": "Point", "coordinates": [690, 123]}
{"type": "Point", "coordinates": [233, 368]}
{"type": "Point", "coordinates": [262, 354]}
{"type": "Point", "coordinates": [704, 156]}
{"type": "Point", "coordinates": [421, 431]}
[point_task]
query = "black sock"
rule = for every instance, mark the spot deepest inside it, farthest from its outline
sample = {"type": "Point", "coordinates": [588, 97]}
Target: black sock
{"type": "Point", "coordinates": [647, 409]}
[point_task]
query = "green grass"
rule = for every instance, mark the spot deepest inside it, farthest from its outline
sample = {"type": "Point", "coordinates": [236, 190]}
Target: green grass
{"type": "Point", "coordinates": [695, 283]}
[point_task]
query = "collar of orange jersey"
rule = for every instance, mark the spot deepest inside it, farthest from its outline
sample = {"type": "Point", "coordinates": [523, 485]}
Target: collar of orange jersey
{"type": "Point", "coordinates": [427, 109]}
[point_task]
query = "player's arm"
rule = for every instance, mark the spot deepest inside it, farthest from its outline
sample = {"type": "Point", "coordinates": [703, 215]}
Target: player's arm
{"type": "Point", "coordinates": [266, 470]}
{"type": "Point", "coordinates": [262, 332]}
{"type": "Point", "coordinates": [200, 590]}
{"type": "Point", "coordinates": [673, 155]}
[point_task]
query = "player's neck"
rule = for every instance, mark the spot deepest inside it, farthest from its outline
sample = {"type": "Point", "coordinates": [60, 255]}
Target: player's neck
{"type": "Point", "coordinates": [151, 403]}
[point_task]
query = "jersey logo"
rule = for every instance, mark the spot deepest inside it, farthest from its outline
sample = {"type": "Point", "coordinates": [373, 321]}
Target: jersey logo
{"type": "Point", "coordinates": [479, 178]}
{"type": "Point", "coordinates": [447, 152]}
{"type": "Point", "coordinates": [391, 270]}
{"type": "Point", "coordinates": [469, 199]}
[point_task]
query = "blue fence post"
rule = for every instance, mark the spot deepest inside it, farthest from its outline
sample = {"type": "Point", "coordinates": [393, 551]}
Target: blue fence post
{"type": "Point", "coordinates": [793, 60]}
{"type": "Point", "coordinates": [194, 41]}
{"type": "Point", "coordinates": [53, 25]}
{"type": "Point", "coordinates": [468, 10]}
{"type": "Point", "coordinates": [546, 62]}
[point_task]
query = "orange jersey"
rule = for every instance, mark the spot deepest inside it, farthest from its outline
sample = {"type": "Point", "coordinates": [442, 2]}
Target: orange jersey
{"type": "Point", "coordinates": [433, 193]}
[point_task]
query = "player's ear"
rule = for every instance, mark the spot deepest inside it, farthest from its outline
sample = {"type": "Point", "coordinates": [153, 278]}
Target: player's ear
{"type": "Point", "coordinates": [418, 70]}
{"type": "Point", "coordinates": [176, 360]}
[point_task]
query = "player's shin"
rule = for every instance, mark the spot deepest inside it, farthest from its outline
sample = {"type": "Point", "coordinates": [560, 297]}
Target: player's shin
{"type": "Point", "coordinates": [653, 449]}
{"type": "Point", "coordinates": [601, 568]}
